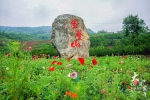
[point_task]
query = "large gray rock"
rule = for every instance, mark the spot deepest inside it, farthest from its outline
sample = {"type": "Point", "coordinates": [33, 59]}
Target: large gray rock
{"type": "Point", "coordinates": [69, 36]}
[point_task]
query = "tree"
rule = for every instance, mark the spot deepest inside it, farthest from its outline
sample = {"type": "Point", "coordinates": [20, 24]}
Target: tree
{"type": "Point", "coordinates": [132, 26]}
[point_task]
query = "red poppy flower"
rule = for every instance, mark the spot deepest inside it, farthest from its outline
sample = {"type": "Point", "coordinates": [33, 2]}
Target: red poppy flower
{"type": "Point", "coordinates": [51, 68]}
{"type": "Point", "coordinates": [129, 87]}
{"type": "Point", "coordinates": [125, 57]}
{"type": "Point", "coordinates": [74, 95]}
{"type": "Point", "coordinates": [69, 59]}
{"type": "Point", "coordinates": [68, 93]}
{"type": "Point", "coordinates": [81, 60]}
{"type": "Point", "coordinates": [54, 62]}
{"type": "Point", "coordinates": [103, 90]}
{"type": "Point", "coordinates": [124, 82]}
{"type": "Point", "coordinates": [71, 94]}
{"type": "Point", "coordinates": [59, 63]}
{"type": "Point", "coordinates": [94, 61]}
{"type": "Point", "coordinates": [35, 57]}
{"type": "Point", "coordinates": [8, 54]}
{"type": "Point", "coordinates": [141, 69]}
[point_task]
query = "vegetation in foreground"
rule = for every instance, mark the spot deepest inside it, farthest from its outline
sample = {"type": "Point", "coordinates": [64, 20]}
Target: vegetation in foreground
{"type": "Point", "coordinates": [103, 78]}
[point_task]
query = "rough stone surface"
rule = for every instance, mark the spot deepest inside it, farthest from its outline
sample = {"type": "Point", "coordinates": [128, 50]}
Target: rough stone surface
{"type": "Point", "coordinates": [63, 34]}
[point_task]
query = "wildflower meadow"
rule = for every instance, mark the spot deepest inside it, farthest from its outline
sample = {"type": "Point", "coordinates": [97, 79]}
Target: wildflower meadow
{"type": "Point", "coordinates": [24, 77]}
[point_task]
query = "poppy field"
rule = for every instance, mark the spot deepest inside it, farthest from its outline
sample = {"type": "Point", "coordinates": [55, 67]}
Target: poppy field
{"type": "Point", "coordinates": [24, 76]}
{"type": "Point", "coordinates": [94, 78]}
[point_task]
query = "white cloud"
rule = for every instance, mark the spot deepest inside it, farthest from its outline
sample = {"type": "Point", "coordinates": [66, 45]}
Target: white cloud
{"type": "Point", "coordinates": [97, 14]}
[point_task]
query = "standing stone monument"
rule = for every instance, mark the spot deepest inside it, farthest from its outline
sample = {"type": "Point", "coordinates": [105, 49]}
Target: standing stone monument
{"type": "Point", "coordinates": [69, 36]}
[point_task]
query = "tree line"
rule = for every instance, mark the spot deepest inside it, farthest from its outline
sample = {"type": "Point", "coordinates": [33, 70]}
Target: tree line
{"type": "Point", "coordinates": [119, 44]}
{"type": "Point", "coordinates": [23, 37]}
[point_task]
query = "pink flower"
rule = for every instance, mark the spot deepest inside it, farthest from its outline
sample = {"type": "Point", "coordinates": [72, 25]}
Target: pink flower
{"type": "Point", "coordinates": [29, 48]}
{"type": "Point", "coordinates": [103, 90]}
{"type": "Point", "coordinates": [8, 54]}
{"type": "Point", "coordinates": [73, 75]}
{"type": "Point", "coordinates": [135, 81]}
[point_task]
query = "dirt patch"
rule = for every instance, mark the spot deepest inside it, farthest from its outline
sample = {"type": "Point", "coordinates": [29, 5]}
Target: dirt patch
{"type": "Point", "coordinates": [34, 43]}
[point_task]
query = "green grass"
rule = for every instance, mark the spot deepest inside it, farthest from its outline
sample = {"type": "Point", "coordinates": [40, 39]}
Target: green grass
{"type": "Point", "coordinates": [22, 78]}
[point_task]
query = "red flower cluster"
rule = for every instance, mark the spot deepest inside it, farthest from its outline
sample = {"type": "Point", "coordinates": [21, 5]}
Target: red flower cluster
{"type": "Point", "coordinates": [55, 62]}
{"type": "Point", "coordinates": [55, 57]}
{"type": "Point", "coordinates": [128, 87]}
{"type": "Point", "coordinates": [71, 94]}
{"type": "Point", "coordinates": [94, 61]}
{"type": "Point", "coordinates": [35, 56]}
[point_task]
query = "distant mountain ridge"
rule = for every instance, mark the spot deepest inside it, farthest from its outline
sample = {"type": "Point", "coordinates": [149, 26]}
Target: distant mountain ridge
{"type": "Point", "coordinates": [26, 30]}
{"type": "Point", "coordinates": [90, 31]}
{"type": "Point", "coordinates": [31, 30]}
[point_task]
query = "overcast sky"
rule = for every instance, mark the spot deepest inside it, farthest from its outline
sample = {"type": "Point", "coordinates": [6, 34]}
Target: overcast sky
{"type": "Point", "coordinates": [97, 14]}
